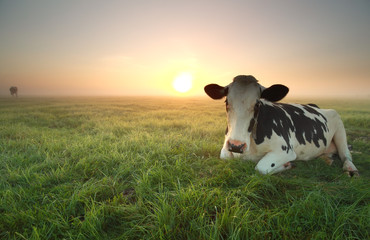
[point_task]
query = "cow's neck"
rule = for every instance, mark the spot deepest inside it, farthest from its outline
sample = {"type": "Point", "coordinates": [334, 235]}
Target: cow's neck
{"type": "Point", "coordinates": [254, 121]}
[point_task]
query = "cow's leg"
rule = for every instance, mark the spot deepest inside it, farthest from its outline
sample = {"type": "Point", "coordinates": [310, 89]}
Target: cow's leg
{"type": "Point", "coordinates": [340, 140]}
{"type": "Point", "coordinates": [328, 160]}
{"type": "Point", "coordinates": [328, 155]}
{"type": "Point", "coordinates": [274, 162]}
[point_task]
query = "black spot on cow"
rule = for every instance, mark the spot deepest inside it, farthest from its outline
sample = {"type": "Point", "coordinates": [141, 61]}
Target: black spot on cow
{"type": "Point", "coordinates": [251, 125]}
{"type": "Point", "coordinates": [253, 121]}
{"type": "Point", "coordinates": [285, 118]}
{"type": "Point", "coordinates": [273, 165]}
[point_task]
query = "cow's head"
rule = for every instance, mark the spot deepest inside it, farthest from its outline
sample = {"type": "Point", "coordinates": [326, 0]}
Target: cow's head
{"type": "Point", "coordinates": [241, 97]}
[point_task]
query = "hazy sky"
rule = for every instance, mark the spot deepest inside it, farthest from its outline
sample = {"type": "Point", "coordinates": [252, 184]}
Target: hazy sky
{"type": "Point", "coordinates": [69, 47]}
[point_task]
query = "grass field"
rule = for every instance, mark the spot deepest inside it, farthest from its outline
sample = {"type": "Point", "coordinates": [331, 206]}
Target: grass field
{"type": "Point", "coordinates": [148, 168]}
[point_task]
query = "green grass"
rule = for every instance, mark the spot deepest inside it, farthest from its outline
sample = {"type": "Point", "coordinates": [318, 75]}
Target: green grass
{"type": "Point", "coordinates": [148, 168]}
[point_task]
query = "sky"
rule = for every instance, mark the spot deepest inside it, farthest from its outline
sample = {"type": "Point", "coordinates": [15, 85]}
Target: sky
{"type": "Point", "coordinates": [136, 47]}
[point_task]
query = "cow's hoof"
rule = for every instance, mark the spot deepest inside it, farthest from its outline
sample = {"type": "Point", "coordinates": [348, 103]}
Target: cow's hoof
{"type": "Point", "coordinates": [352, 173]}
{"type": "Point", "coordinates": [289, 165]}
{"type": "Point", "coordinates": [293, 164]}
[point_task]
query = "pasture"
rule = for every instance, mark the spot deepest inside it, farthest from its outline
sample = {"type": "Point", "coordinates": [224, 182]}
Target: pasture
{"type": "Point", "coordinates": [149, 168]}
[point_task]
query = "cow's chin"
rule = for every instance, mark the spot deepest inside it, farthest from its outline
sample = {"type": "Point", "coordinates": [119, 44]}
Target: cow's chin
{"type": "Point", "coordinates": [226, 154]}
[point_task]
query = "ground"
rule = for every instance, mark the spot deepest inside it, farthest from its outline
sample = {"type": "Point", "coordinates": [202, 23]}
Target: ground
{"type": "Point", "coordinates": [149, 168]}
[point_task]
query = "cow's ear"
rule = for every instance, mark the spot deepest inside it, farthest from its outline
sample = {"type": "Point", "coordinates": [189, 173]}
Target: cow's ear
{"type": "Point", "coordinates": [215, 91]}
{"type": "Point", "coordinates": [275, 92]}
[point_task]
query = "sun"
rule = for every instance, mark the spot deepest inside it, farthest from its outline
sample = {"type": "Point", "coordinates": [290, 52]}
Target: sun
{"type": "Point", "coordinates": [183, 82]}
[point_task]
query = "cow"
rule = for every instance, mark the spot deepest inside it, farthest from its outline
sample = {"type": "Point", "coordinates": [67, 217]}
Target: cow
{"type": "Point", "coordinates": [274, 134]}
{"type": "Point", "coordinates": [14, 91]}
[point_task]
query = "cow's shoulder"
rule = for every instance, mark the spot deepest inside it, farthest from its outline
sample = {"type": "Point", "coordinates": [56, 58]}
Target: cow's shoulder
{"type": "Point", "coordinates": [273, 119]}
{"type": "Point", "coordinates": [313, 105]}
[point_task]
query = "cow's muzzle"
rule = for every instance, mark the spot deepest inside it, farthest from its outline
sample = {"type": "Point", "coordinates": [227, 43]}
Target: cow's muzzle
{"type": "Point", "coordinates": [236, 146]}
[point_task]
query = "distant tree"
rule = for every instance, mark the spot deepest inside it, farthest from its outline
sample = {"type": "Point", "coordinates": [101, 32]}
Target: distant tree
{"type": "Point", "coordinates": [14, 91]}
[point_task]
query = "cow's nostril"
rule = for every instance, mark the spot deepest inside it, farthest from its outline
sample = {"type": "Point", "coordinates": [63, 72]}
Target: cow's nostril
{"type": "Point", "coordinates": [236, 146]}
{"type": "Point", "coordinates": [230, 147]}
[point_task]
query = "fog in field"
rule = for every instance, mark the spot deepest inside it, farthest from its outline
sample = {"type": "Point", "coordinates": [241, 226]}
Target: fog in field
{"type": "Point", "coordinates": [125, 48]}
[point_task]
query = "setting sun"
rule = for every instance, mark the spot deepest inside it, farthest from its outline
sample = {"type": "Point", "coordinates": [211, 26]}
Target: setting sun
{"type": "Point", "coordinates": [183, 82]}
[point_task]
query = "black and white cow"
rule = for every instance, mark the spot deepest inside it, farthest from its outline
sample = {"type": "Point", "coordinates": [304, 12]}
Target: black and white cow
{"type": "Point", "coordinates": [13, 91]}
{"type": "Point", "coordinates": [274, 134]}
